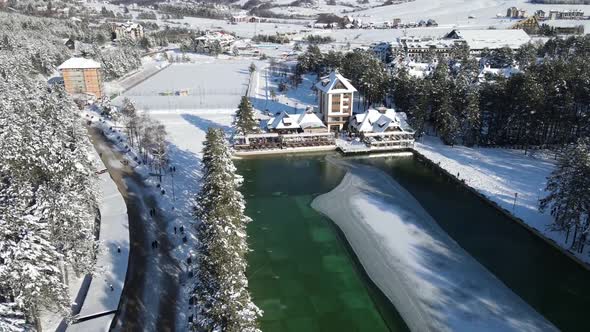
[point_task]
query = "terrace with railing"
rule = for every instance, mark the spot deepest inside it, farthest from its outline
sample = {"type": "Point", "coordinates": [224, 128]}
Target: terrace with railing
{"type": "Point", "coordinates": [276, 141]}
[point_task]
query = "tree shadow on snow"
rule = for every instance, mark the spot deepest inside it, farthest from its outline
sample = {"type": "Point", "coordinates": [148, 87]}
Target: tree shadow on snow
{"type": "Point", "coordinates": [205, 124]}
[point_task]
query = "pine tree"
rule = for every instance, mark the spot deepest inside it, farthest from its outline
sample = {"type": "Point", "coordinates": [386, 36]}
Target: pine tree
{"type": "Point", "coordinates": [569, 194]}
{"type": "Point", "coordinates": [466, 104]}
{"type": "Point", "coordinates": [245, 121]}
{"type": "Point", "coordinates": [402, 88]}
{"type": "Point", "coordinates": [223, 300]}
{"type": "Point", "coordinates": [419, 104]}
{"type": "Point", "coordinates": [47, 194]}
{"type": "Point", "coordinates": [442, 112]}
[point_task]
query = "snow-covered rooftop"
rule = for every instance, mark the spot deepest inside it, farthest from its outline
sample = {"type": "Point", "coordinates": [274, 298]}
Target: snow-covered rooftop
{"type": "Point", "coordinates": [310, 120]}
{"type": "Point", "coordinates": [375, 121]}
{"type": "Point", "coordinates": [506, 72]}
{"type": "Point", "coordinates": [295, 121]}
{"type": "Point", "coordinates": [79, 63]}
{"type": "Point", "coordinates": [128, 25]}
{"type": "Point", "coordinates": [217, 35]}
{"type": "Point", "coordinates": [492, 39]}
{"type": "Point", "coordinates": [328, 84]}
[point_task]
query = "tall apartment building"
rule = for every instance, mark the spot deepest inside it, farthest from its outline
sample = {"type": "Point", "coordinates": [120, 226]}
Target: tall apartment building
{"type": "Point", "coordinates": [82, 76]}
{"type": "Point", "coordinates": [336, 99]}
{"type": "Point", "coordinates": [127, 30]}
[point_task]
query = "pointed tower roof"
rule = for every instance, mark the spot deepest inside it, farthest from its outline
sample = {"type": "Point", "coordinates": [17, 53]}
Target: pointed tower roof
{"type": "Point", "coordinates": [330, 84]}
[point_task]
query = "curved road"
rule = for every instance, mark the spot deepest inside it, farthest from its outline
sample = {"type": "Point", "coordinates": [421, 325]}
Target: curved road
{"type": "Point", "coordinates": [149, 299]}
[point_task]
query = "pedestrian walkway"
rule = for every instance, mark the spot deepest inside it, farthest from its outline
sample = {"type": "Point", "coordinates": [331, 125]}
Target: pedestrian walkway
{"type": "Point", "coordinates": [101, 298]}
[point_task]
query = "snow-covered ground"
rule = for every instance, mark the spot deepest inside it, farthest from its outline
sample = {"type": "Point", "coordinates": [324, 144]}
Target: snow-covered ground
{"type": "Point", "coordinates": [431, 280]}
{"type": "Point", "coordinates": [290, 101]}
{"type": "Point", "coordinates": [499, 174]}
{"type": "Point", "coordinates": [208, 83]}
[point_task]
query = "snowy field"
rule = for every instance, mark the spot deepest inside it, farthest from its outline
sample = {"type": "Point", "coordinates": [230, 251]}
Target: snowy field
{"type": "Point", "coordinates": [499, 174]}
{"type": "Point", "coordinates": [431, 280]}
{"type": "Point", "coordinates": [209, 83]}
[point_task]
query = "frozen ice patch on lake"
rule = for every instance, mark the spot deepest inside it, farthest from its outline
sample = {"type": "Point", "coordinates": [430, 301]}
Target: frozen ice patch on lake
{"type": "Point", "coordinates": [431, 280]}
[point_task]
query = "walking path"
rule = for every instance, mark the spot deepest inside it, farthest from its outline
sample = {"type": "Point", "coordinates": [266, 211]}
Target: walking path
{"type": "Point", "coordinates": [100, 299]}
{"type": "Point", "coordinates": [149, 300]}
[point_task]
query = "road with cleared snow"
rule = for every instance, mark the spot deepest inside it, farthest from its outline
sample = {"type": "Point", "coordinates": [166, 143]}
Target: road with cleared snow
{"type": "Point", "coordinates": [150, 297]}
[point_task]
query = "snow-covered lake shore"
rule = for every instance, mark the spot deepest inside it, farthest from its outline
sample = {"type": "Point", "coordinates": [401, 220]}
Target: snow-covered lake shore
{"type": "Point", "coordinates": [432, 281]}
{"type": "Point", "coordinates": [499, 174]}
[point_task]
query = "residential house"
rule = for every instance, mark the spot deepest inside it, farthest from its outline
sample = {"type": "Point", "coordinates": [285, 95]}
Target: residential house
{"type": "Point", "coordinates": [82, 76]}
{"type": "Point", "coordinates": [514, 12]}
{"type": "Point", "coordinates": [378, 121]}
{"type": "Point", "coordinates": [383, 51]}
{"type": "Point", "coordinates": [565, 27]}
{"type": "Point", "coordinates": [420, 69]}
{"type": "Point", "coordinates": [431, 23]}
{"type": "Point", "coordinates": [336, 98]}
{"type": "Point", "coordinates": [205, 42]}
{"type": "Point", "coordinates": [383, 129]}
{"type": "Point", "coordinates": [541, 14]}
{"type": "Point", "coordinates": [285, 123]}
{"type": "Point", "coordinates": [244, 19]}
{"type": "Point", "coordinates": [126, 30]}
{"type": "Point", "coordinates": [487, 73]}
{"type": "Point", "coordinates": [529, 24]}
{"type": "Point", "coordinates": [572, 14]}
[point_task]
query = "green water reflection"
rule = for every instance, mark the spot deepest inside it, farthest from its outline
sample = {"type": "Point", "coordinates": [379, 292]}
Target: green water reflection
{"type": "Point", "coordinates": [301, 272]}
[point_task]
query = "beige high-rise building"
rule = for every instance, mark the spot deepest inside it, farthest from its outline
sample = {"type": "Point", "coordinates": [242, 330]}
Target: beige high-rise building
{"type": "Point", "coordinates": [336, 97]}
{"type": "Point", "coordinates": [82, 75]}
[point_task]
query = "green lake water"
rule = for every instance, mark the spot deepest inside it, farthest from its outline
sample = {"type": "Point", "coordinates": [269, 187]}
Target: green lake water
{"type": "Point", "coordinates": [304, 276]}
